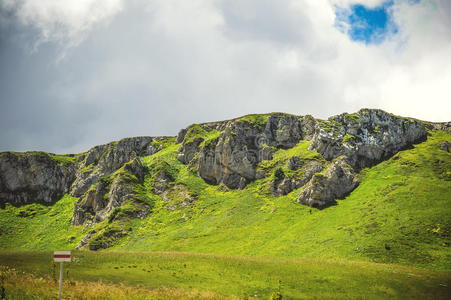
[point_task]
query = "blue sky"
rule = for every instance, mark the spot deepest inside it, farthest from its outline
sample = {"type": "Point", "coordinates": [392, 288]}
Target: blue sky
{"type": "Point", "coordinates": [368, 25]}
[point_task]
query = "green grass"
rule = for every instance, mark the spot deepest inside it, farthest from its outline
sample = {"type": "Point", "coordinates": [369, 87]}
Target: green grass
{"type": "Point", "coordinates": [59, 158]}
{"type": "Point", "coordinates": [40, 226]}
{"type": "Point", "coordinates": [352, 117]}
{"type": "Point", "coordinates": [63, 159]}
{"type": "Point", "coordinates": [256, 120]}
{"type": "Point", "coordinates": [196, 131]}
{"type": "Point", "coordinates": [281, 157]}
{"type": "Point", "coordinates": [232, 276]}
{"type": "Point", "coordinates": [348, 137]}
{"type": "Point", "coordinates": [210, 139]}
{"type": "Point", "coordinates": [163, 142]}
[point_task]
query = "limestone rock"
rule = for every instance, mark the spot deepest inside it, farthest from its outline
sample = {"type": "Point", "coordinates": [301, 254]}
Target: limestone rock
{"type": "Point", "coordinates": [188, 150]}
{"type": "Point", "coordinates": [285, 184]}
{"type": "Point", "coordinates": [181, 136]}
{"type": "Point", "coordinates": [110, 192]}
{"type": "Point", "coordinates": [105, 159]}
{"type": "Point", "coordinates": [232, 157]}
{"type": "Point", "coordinates": [162, 182]}
{"type": "Point", "coordinates": [336, 182]}
{"type": "Point", "coordinates": [367, 137]}
{"type": "Point", "coordinates": [84, 240]}
{"type": "Point", "coordinates": [106, 238]}
{"type": "Point", "coordinates": [34, 177]}
{"type": "Point", "coordinates": [225, 153]}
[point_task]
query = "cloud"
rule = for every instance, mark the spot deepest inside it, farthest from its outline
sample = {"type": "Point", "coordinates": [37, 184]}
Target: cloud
{"type": "Point", "coordinates": [154, 67]}
{"type": "Point", "coordinates": [262, 20]}
{"type": "Point", "coordinates": [66, 22]}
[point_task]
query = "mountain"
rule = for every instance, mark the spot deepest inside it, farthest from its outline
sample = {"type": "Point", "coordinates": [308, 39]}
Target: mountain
{"type": "Point", "coordinates": [369, 186]}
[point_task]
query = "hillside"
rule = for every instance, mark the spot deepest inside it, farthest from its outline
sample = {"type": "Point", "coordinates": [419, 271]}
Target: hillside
{"type": "Point", "coordinates": [368, 186]}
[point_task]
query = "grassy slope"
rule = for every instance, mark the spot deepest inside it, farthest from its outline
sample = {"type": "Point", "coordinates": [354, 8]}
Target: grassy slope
{"type": "Point", "coordinates": [401, 204]}
{"type": "Point", "coordinates": [38, 227]}
{"type": "Point", "coordinates": [189, 275]}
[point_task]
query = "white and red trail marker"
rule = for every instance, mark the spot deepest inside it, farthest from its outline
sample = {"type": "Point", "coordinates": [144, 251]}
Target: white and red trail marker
{"type": "Point", "coordinates": [61, 257]}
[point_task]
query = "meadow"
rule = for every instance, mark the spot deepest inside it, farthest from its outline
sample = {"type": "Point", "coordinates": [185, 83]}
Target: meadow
{"type": "Point", "coordinates": [172, 275]}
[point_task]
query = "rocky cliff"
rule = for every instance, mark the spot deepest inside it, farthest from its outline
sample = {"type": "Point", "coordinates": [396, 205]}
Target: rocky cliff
{"type": "Point", "coordinates": [35, 177]}
{"type": "Point", "coordinates": [229, 153]}
{"type": "Point", "coordinates": [232, 149]}
{"type": "Point", "coordinates": [358, 140]}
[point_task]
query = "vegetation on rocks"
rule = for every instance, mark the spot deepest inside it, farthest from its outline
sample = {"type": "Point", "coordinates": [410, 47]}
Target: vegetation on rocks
{"type": "Point", "coordinates": [256, 120]}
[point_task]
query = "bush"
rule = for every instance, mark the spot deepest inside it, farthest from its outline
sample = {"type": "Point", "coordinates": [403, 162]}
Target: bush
{"type": "Point", "coordinates": [278, 173]}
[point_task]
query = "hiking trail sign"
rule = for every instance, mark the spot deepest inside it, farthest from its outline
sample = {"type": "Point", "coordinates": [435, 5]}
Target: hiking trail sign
{"type": "Point", "coordinates": [61, 257]}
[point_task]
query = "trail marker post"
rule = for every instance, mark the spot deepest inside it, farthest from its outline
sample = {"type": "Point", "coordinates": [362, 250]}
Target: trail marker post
{"type": "Point", "coordinates": [61, 257]}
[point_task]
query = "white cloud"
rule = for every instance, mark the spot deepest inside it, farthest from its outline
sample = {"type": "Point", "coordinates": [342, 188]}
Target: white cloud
{"type": "Point", "coordinates": [66, 22]}
{"type": "Point", "coordinates": [418, 81]}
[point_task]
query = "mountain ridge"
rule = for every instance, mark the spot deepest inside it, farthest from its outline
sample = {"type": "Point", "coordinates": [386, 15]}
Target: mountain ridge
{"type": "Point", "coordinates": [319, 160]}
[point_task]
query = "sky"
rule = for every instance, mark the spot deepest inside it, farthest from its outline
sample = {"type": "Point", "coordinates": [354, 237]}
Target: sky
{"type": "Point", "coordinates": [78, 73]}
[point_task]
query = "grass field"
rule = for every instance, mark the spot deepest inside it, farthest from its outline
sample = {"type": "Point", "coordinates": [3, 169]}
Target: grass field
{"type": "Point", "coordinates": [166, 275]}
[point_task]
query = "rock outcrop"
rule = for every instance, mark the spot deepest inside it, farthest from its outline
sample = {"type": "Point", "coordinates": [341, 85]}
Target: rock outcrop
{"type": "Point", "coordinates": [231, 156]}
{"type": "Point", "coordinates": [336, 182]}
{"type": "Point", "coordinates": [103, 178]}
{"type": "Point", "coordinates": [284, 184]}
{"type": "Point", "coordinates": [105, 159]}
{"type": "Point", "coordinates": [361, 140]}
{"type": "Point", "coordinates": [367, 137]}
{"type": "Point", "coordinates": [109, 193]}
{"type": "Point", "coordinates": [106, 176]}
{"type": "Point", "coordinates": [35, 177]}
{"type": "Point", "coordinates": [227, 153]}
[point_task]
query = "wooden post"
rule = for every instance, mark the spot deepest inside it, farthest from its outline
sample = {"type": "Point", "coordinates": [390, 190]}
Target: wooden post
{"type": "Point", "coordinates": [61, 280]}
